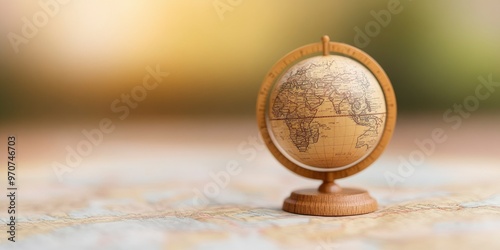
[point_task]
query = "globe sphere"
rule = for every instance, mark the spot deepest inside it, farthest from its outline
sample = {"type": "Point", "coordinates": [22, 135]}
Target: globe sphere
{"type": "Point", "coordinates": [326, 113]}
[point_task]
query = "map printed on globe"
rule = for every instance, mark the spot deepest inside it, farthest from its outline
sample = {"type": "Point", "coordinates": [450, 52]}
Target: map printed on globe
{"type": "Point", "coordinates": [326, 112]}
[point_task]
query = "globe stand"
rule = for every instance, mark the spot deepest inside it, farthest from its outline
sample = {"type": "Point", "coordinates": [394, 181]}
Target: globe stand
{"type": "Point", "coordinates": [330, 200]}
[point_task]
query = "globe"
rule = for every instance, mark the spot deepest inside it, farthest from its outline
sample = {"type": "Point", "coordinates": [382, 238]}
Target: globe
{"type": "Point", "coordinates": [326, 113]}
{"type": "Point", "coordinates": [327, 117]}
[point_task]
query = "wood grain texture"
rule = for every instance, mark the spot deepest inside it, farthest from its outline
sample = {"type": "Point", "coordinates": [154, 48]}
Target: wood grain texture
{"type": "Point", "coordinates": [343, 202]}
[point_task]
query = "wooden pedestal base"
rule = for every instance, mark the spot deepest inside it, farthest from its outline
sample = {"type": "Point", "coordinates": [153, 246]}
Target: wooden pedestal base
{"type": "Point", "coordinates": [330, 200]}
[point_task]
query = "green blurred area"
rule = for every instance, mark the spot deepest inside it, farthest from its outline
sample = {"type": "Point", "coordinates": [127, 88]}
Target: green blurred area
{"type": "Point", "coordinates": [433, 52]}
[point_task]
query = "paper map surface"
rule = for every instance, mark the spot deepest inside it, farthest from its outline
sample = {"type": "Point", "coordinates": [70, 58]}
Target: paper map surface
{"type": "Point", "coordinates": [157, 191]}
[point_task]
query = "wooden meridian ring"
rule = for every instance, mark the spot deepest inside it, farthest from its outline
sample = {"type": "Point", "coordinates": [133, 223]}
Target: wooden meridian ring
{"type": "Point", "coordinates": [343, 50]}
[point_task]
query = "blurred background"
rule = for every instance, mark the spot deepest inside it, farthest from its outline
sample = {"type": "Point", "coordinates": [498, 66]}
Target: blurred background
{"type": "Point", "coordinates": [65, 63]}
{"type": "Point", "coordinates": [89, 53]}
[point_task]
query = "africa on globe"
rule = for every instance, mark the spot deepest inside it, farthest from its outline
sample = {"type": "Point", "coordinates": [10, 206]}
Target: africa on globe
{"type": "Point", "coordinates": [327, 111]}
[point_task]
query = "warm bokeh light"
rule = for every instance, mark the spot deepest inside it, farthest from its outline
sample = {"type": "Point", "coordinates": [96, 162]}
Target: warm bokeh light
{"type": "Point", "coordinates": [91, 52]}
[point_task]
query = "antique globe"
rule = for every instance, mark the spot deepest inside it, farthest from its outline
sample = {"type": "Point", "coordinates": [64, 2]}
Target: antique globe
{"type": "Point", "coordinates": [326, 117]}
{"type": "Point", "coordinates": [326, 112]}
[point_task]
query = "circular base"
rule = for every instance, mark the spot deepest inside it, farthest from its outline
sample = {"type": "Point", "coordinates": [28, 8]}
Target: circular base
{"type": "Point", "coordinates": [345, 201]}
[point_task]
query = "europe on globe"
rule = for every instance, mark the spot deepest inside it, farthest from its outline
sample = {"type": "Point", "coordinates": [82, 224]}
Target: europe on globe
{"type": "Point", "coordinates": [326, 112]}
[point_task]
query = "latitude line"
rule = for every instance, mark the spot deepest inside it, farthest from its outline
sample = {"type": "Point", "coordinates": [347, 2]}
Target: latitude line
{"type": "Point", "coordinates": [323, 116]}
